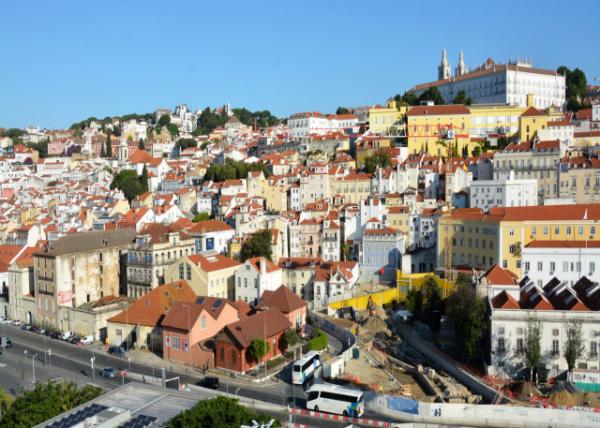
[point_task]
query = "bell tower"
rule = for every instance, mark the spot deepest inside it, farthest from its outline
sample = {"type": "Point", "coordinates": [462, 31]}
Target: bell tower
{"type": "Point", "coordinates": [444, 68]}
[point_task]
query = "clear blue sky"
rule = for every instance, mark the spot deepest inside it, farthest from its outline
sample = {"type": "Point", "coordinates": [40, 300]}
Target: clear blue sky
{"type": "Point", "coordinates": [63, 61]}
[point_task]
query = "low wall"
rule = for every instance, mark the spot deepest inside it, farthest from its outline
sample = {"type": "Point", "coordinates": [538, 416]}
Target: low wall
{"type": "Point", "coordinates": [480, 415]}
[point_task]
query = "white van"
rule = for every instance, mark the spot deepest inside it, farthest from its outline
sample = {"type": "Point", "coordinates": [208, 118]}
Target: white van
{"type": "Point", "coordinates": [66, 335]}
{"type": "Point", "coordinates": [335, 399]}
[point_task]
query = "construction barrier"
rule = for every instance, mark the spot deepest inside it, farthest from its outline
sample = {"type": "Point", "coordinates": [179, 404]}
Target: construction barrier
{"type": "Point", "coordinates": [404, 283]}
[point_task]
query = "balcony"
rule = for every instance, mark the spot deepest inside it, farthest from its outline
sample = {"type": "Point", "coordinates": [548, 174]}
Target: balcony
{"type": "Point", "coordinates": [139, 279]}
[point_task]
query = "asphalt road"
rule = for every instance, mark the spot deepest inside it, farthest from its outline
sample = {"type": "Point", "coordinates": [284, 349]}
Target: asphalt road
{"type": "Point", "coordinates": [73, 363]}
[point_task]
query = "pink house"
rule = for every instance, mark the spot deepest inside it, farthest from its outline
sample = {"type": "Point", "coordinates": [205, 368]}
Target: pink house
{"type": "Point", "coordinates": [188, 329]}
{"type": "Point", "coordinates": [288, 303]}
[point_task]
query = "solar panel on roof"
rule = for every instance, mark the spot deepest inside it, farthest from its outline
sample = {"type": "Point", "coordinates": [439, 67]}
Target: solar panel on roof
{"type": "Point", "coordinates": [200, 300]}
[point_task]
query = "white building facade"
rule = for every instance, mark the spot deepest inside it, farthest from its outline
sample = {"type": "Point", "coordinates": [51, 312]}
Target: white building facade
{"type": "Point", "coordinates": [254, 277]}
{"type": "Point", "coordinates": [502, 84]}
{"type": "Point", "coordinates": [486, 194]}
{"type": "Point", "coordinates": [567, 260]}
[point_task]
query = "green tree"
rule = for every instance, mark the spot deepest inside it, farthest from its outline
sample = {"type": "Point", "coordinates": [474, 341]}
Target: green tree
{"type": "Point", "coordinates": [144, 179]}
{"type": "Point", "coordinates": [45, 401]}
{"type": "Point", "coordinates": [184, 143]}
{"type": "Point", "coordinates": [468, 312]}
{"type": "Point", "coordinates": [141, 144]}
{"type": "Point", "coordinates": [407, 99]}
{"type": "Point", "coordinates": [173, 130]}
{"type": "Point", "coordinates": [380, 159]}
{"type": "Point", "coordinates": [163, 120]}
{"type": "Point", "coordinates": [222, 412]}
{"type": "Point", "coordinates": [343, 110]}
{"type": "Point", "coordinates": [533, 345]}
{"type": "Point", "coordinates": [258, 349]}
{"type": "Point", "coordinates": [259, 245]}
{"type": "Point", "coordinates": [231, 170]}
{"type": "Point", "coordinates": [462, 98]}
{"type": "Point", "coordinates": [108, 151]}
{"type": "Point", "coordinates": [41, 147]}
{"type": "Point", "coordinates": [202, 216]}
{"type": "Point", "coordinates": [289, 338]}
{"type": "Point", "coordinates": [5, 402]}
{"type": "Point", "coordinates": [576, 87]}
{"type": "Point", "coordinates": [574, 346]}
{"type": "Point", "coordinates": [432, 94]}
{"type": "Point", "coordinates": [129, 183]}
{"type": "Point", "coordinates": [414, 301]}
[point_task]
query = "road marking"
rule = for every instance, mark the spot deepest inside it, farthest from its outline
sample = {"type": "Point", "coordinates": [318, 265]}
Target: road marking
{"type": "Point", "coordinates": [2, 365]}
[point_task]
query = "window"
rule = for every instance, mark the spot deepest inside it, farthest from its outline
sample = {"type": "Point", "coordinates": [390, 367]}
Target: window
{"type": "Point", "coordinates": [188, 272]}
{"type": "Point", "coordinates": [555, 347]}
{"type": "Point", "coordinates": [181, 271]}
{"type": "Point", "coordinates": [568, 230]}
{"type": "Point", "coordinates": [520, 346]}
{"type": "Point", "coordinates": [501, 346]}
{"type": "Point", "coordinates": [176, 343]}
{"type": "Point", "coordinates": [555, 332]}
{"type": "Point", "coordinates": [557, 230]}
{"type": "Point", "coordinates": [526, 266]}
{"type": "Point", "coordinates": [202, 322]}
{"type": "Point", "coordinates": [504, 264]}
{"type": "Point", "coordinates": [540, 266]}
{"type": "Point", "coordinates": [552, 266]}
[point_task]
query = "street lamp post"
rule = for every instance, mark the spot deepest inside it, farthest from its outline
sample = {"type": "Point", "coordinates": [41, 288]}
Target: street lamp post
{"type": "Point", "coordinates": [129, 363]}
{"type": "Point", "coordinates": [92, 366]}
{"type": "Point", "coordinates": [32, 366]}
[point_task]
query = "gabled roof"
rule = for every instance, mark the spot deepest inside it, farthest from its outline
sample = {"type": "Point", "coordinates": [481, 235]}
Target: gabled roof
{"type": "Point", "coordinates": [503, 300]}
{"type": "Point", "coordinates": [183, 315]}
{"type": "Point", "coordinates": [495, 275]}
{"type": "Point", "coordinates": [207, 226]}
{"type": "Point", "coordinates": [150, 309]}
{"type": "Point", "coordinates": [213, 263]}
{"type": "Point", "coordinates": [282, 298]}
{"type": "Point", "coordinates": [262, 325]}
{"type": "Point", "coordinates": [255, 262]}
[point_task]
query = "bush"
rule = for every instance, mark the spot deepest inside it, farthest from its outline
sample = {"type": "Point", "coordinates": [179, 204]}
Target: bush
{"type": "Point", "coordinates": [318, 342]}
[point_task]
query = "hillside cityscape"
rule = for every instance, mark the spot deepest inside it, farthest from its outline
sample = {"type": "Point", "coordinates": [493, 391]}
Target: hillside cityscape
{"type": "Point", "coordinates": [431, 258]}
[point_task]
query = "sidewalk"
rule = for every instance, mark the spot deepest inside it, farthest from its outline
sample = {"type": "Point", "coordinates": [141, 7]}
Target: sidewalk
{"type": "Point", "coordinates": [149, 359]}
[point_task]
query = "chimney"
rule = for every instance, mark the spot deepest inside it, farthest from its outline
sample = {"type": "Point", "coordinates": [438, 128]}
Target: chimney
{"type": "Point", "coordinates": [263, 266]}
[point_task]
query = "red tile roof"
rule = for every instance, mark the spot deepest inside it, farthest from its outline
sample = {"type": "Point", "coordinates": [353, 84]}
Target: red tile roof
{"type": "Point", "coordinates": [150, 309]}
{"type": "Point", "coordinates": [438, 110]}
{"type": "Point", "coordinates": [498, 276]}
{"type": "Point", "coordinates": [213, 263]}
{"type": "Point", "coordinates": [262, 325]}
{"type": "Point", "coordinates": [563, 244]}
{"type": "Point", "coordinates": [282, 298]}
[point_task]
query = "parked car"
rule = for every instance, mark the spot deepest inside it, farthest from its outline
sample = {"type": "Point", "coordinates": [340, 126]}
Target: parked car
{"type": "Point", "coordinates": [54, 335]}
{"type": "Point", "coordinates": [4, 320]}
{"type": "Point", "coordinates": [87, 340]}
{"type": "Point", "coordinates": [16, 323]}
{"type": "Point", "coordinates": [74, 339]}
{"type": "Point", "coordinates": [5, 342]}
{"type": "Point", "coordinates": [27, 327]}
{"type": "Point", "coordinates": [66, 335]}
{"type": "Point", "coordinates": [117, 351]}
{"type": "Point", "coordinates": [210, 382]}
{"type": "Point", "coordinates": [108, 372]}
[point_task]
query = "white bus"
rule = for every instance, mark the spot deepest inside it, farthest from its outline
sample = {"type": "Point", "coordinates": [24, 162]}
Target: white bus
{"type": "Point", "coordinates": [335, 399]}
{"type": "Point", "coordinates": [304, 369]}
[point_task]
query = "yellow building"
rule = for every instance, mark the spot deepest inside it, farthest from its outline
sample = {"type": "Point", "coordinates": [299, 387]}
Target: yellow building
{"type": "Point", "coordinates": [368, 146]}
{"type": "Point", "coordinates": [500, 119]}
{"type": "Point", "coordinates": [399, 218]}
{"type": "Point", "coordinates": [275, 197]}
{"type": "Point", "coordinates": [480, 240]}
{"type": "Point", "coordinates": [212, 276]}
{"type": "Point", "coordinates": [382, 118]}
{"type": "Point", "coordinates": [434, 129]}
{"type": "Point", "coordinates": [353, 187]}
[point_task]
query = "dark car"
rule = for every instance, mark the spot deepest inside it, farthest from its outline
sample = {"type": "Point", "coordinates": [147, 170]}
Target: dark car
{"type": "Point", "coordinates": [27, 327]}
{"type": "Point", "coordinates": [210, 382]}
{"type": "Point", "coordinates": [117, 351]}
{"type": "Point", "coordinates": [73, 340]}
{"type": "Point", "coordinates": [108, 372]}
{"type": "Point", "coordinates": [5, 342]}
{"type": "Point", "coordinates": [54, 335]}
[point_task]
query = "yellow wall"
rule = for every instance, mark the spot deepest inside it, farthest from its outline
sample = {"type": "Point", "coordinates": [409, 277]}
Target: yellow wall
{"type": "Point", "coordinates": [380, 119]}
{"type": "Point", "coordinates": [363, 151]}
{"type": "Point", "coordinates": [424, 133]}
{"type": "Point", "coordinates": [394, 294]}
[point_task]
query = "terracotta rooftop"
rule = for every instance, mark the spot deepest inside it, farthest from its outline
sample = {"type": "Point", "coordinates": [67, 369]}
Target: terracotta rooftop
{"type": "Point", "coordinates": [150, 309]}
{"type": "Point", "coordinates": [282, 298]}
{"type": "Point", "coordinates": [262, 325]}
{"type": "Point", "coordinates": [213, 263]}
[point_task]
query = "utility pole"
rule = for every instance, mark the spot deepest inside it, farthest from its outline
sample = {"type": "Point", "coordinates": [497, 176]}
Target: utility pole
{"type": "Point", "coordinates": [92, 366]}
{"type": "Point", "coordinates": [32, 366]}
